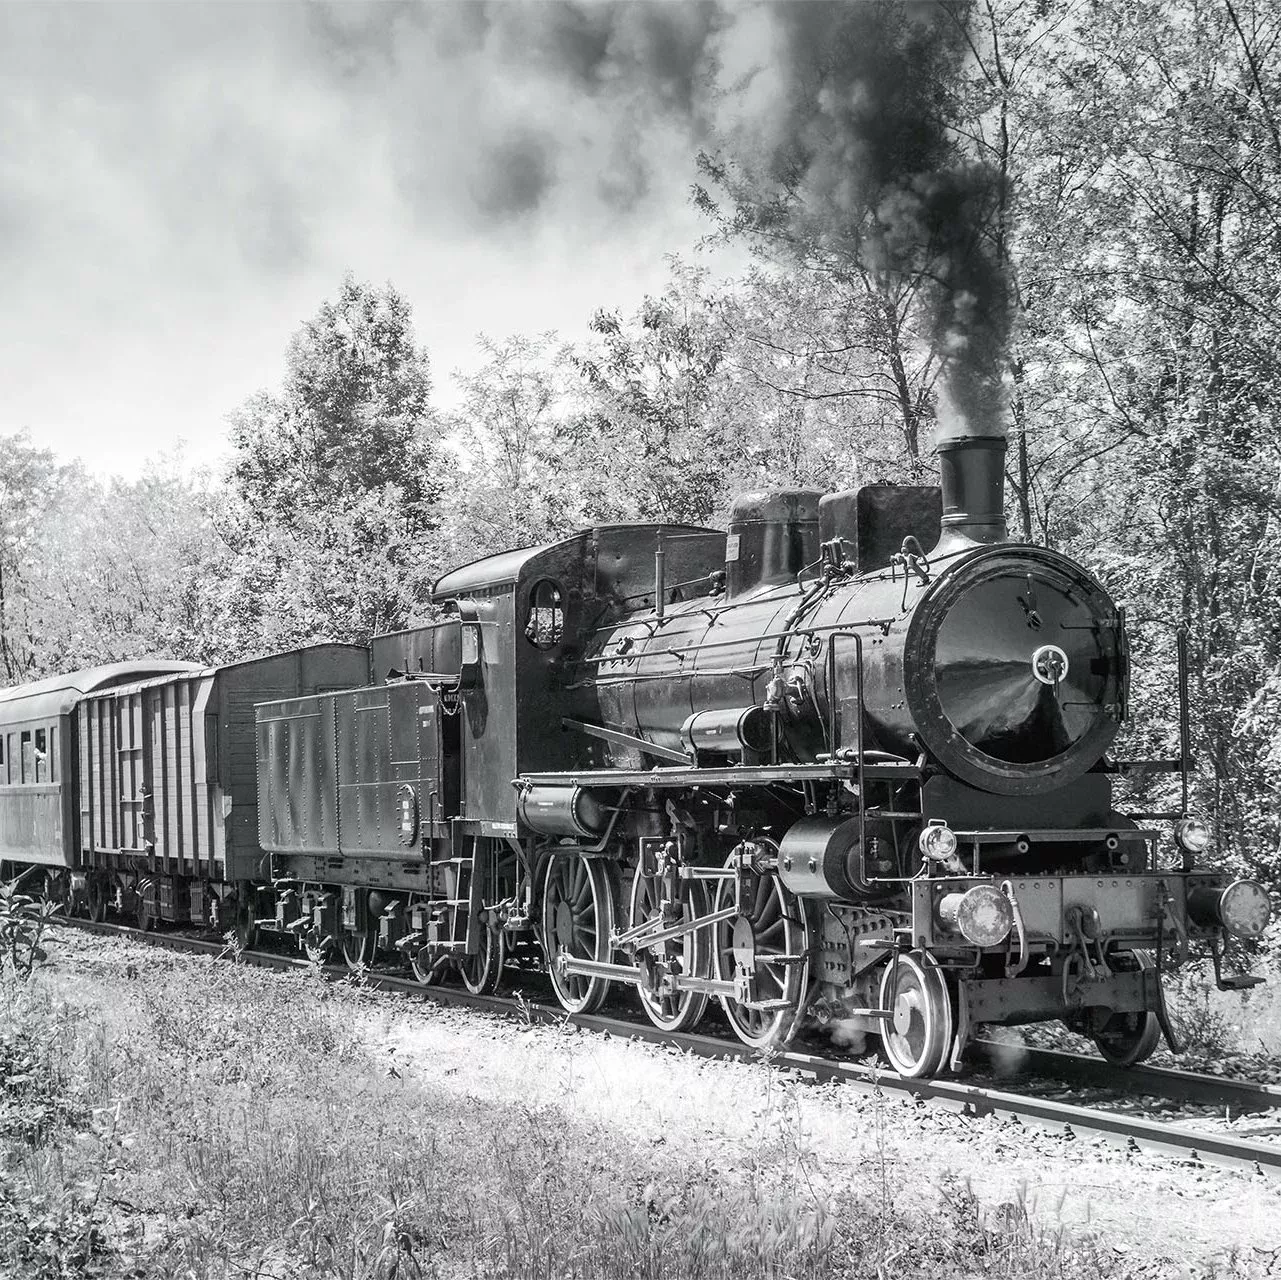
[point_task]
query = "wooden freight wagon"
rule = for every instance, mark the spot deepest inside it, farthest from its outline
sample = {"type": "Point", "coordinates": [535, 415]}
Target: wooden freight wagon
{"type": "Point", "coordinates": [168, 779]}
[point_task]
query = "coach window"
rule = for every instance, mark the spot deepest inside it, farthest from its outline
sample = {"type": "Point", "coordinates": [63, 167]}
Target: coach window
{"type": "Point", "coordinates": [545, 625]}
{"type": "Point", "coordinates": [11, 760]}
{"type": "Point", "coordinates": [43, 773]}
{"type": "Point", "coordinates": [28, 757]}
{"type": "Point", "coordinates": [4, 767]}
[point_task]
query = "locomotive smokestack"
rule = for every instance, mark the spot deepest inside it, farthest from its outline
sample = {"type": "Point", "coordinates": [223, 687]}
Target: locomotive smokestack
{"type": "Point", "coordinates": [866, 166]}
{"type": "Point", "coordinates": [971, 445]}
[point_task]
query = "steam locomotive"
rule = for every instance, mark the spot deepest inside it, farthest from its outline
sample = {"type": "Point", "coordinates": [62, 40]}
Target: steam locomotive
{"type": "Point", "coordinates": [807, 768]}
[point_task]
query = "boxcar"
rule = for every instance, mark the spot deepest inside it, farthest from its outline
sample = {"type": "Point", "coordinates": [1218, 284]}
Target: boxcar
{"type": "Point", "coordinates": [167, 781]}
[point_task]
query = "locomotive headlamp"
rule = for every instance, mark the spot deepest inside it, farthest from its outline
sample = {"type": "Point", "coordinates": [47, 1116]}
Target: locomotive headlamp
{"type": "Point", "coordinates": [937, 842]}
{"type": "Point", "coordinates": [982, 915]}
{"type": "Point", "coordinates": [1244, 908]}
{"type": "Point", "coordinates": [1193, 835]}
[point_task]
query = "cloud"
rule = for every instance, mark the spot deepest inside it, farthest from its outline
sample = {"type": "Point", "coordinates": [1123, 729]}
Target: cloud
{"type": "Point", "coordinates": [180, 184]}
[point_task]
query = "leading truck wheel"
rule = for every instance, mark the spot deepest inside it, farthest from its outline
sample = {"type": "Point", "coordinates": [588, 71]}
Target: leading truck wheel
{"type": "Point", "coordinates": [919, 1030]}
{"type": "Point", "coordinates": [1126, 1039]}
{"type": "Point", "coordinates": [578, 919]}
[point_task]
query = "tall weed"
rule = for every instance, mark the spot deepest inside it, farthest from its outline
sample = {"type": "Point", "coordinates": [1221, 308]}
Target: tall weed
{"type": "Point", "coordinates": [24, 919]}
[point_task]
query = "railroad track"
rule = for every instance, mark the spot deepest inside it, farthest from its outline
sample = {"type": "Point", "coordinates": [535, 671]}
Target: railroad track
{"type": "Point", "coordinates": [1022, 1099]}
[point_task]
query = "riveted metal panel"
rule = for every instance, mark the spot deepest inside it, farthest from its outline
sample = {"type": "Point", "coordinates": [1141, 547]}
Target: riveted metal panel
{"type": "Point", "coordinates": [367, 813]}
{"type": "Point", "coordinates": [297, 776]}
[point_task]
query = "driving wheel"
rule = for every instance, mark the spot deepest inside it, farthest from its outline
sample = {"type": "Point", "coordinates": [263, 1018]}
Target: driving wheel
{"type": "Point", "coordinates": [686, 955]}
{"type": "Point", "coordinates": [577, 919]}
{"type": "Point", "coordinates": [769, 939]}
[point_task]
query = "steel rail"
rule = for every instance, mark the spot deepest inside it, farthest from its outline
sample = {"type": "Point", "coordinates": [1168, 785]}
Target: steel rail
{"type": "Point", "coordinates": [970, 1099]}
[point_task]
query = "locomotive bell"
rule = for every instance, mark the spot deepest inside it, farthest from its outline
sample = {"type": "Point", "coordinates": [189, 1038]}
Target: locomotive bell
{"type": "Point", "coordinates": [772, 537]}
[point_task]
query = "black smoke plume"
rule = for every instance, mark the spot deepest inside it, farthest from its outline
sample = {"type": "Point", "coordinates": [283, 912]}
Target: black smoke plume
{"type": "Point", "coordinates": [861, 140]}
{"type": "Point", "coordinates": [840, 114]}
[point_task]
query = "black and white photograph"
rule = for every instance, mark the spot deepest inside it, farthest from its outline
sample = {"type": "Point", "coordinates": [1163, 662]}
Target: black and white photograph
{"type": "Point", "coordinates": [640, 639]}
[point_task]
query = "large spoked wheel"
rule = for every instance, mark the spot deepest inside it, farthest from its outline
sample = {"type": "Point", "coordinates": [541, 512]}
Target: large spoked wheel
{"type": "Point", "coordinates": [482, 972]}
{"type": "Point", "coordinates": [770, 939]}
{"type": "Point", "coordinates": [578, 918]}
{"type": "Point", "coordinates": [677, 1010]}
{"type": "Point", "coordinates": [919, 1030]}
{"type": "Point", "coordinates": [1126, 1039]}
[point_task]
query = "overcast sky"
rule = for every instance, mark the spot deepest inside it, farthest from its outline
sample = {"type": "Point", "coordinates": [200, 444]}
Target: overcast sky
{"type": "Point", "coordinates": [182, 183]}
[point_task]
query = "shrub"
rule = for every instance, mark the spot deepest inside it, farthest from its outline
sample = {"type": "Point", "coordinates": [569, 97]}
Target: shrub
{"type": "Point", "coordinates": [23, 920]}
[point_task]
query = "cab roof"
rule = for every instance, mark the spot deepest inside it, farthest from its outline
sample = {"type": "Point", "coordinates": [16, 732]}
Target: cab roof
{"type": "Point", "coordinates": [507, 568]}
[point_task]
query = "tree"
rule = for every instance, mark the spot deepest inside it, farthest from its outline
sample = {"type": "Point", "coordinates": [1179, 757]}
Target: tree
{"type": "Point", "coordinates": [646, 427]}
{"type": "Point", "coordinates": [1148, 255]}
{"type": "Point", "coordinates": [33, 489]}
{"type": "Point", "coordinates": [353, 414]}
{"type": "Point", "coordinates": [515, 485]}
{"type": "Point", "coordinates": [330, 515]}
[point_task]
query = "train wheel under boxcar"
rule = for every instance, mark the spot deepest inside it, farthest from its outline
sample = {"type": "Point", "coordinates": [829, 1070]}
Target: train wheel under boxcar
{"type": "Point", "coordinates": [96, 893]}
{"type": "Point", "coordinates": [768, 945]}
{"type": "Point", "coordinates": [919, 1031]}
{"type": "Point", "coordinates": [57, 890]}
{"type": "Point", "coordinates": [144, 906]}
{"type": "Point", "coordinates": [237, 914]}
{"type": "Point", "coordinates": [578, 920]}
{"type": "Point", "coordinates": [688, 955]}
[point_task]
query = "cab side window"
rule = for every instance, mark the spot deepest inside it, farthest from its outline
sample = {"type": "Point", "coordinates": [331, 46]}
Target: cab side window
{"type": "Point", "coordinates": [545, 625]}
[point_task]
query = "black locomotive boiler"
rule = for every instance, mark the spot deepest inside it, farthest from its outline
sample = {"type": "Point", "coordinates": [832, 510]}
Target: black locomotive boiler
{"type": "Point", "coordinates": [846, 764]}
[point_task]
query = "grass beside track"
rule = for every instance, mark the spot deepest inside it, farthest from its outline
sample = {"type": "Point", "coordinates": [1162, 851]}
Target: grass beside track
{"type": "Point", "coordinates": [202, 1120]}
